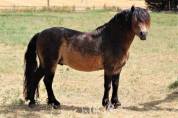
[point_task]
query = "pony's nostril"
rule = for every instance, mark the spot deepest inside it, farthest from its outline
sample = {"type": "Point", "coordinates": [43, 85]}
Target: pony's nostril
{"type": "Point", "coordinates": [141, 33]}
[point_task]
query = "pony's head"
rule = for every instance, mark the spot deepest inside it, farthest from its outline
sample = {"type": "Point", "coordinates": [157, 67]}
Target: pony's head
{"type": "Point", "coordinates": [140, 22]}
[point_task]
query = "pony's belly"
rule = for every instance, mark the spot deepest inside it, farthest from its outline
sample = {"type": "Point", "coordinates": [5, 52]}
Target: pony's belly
{"type": "Point", "coordinates": [83, 63]}
{"type": "Point", "coordinates": [76, 60]}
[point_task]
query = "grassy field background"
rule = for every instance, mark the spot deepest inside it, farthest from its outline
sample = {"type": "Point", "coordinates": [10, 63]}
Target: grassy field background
{"type": "Point", "coordinates": [71, 3]}
{"type": "Point", "coordinates": [144, 83]}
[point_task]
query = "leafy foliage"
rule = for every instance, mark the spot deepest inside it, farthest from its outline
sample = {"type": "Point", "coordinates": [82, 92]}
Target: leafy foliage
{"type": "Point", "coordinates": [160, 5]}
{"type": "Point", "coordinates": [174, 85]}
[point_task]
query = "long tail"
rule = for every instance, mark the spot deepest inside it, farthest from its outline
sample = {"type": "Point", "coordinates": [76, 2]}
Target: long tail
{"type": "Point", "coordinates": [30, 66]}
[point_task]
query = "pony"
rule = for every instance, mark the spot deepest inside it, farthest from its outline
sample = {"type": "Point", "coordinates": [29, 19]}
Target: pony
{"type": "Point", "coordinates": [106, 48]}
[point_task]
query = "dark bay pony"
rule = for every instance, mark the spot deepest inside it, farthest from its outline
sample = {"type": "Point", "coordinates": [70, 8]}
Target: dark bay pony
{"type": "Point", "coordinates": [105, 48]}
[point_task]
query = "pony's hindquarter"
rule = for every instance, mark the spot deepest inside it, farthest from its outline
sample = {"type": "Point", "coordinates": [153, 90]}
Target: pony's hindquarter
{"type": "Point", "coordinates": [40, 45]}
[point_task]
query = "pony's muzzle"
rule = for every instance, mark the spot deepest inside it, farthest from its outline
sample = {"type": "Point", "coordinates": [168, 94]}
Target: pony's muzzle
{"type": "Point", "coordinates": [143, 35]}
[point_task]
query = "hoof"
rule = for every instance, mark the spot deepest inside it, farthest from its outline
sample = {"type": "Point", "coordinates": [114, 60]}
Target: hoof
{"type": "Point", "coordinates": [55, 104]}
{"type": "Point", "coordinates": [32, 104]}
{"type": "Point", "coordinates": [105, 102]}
{"type": "Point", "coordinates": [115, 103]}
{"type": "Point", "coordinates": [109, 106]}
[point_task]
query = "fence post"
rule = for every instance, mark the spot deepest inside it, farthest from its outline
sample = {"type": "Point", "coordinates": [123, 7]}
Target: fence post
{"type": "Point", "coordinates": [48, 3]}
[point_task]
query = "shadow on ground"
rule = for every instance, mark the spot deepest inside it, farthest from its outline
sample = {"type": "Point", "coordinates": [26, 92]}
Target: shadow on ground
{"type": "Point", "coordinates": [153, 105]}
{"type": "Point", "coordinates": [34, 112]}
{"type": "Point", "coordinates": [147, 106]}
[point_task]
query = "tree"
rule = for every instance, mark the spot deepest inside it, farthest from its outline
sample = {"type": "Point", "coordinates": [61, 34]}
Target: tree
{"type": "Point", "coordinates": [160, 5]}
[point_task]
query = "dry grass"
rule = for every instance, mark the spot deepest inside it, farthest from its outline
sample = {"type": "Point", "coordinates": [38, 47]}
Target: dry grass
{"type": "Point", "coordinates": [76, 3]}
{"type": "Point", "coordinates": [143, 91]}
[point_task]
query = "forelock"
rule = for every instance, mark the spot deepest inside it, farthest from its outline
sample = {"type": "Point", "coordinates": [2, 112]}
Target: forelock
{"type": "Point", "coordinates": [141, 14]}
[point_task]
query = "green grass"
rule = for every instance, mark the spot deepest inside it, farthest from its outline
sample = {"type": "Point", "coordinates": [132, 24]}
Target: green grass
{"type": "Point", "coordinates": [174, 85]}
{"type": "Point", "coordinates": [18, 27]}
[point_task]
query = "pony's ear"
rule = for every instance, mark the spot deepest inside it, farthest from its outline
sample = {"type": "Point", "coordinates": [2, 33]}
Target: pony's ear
{"type": "Point", "coordinates": [132, 8]}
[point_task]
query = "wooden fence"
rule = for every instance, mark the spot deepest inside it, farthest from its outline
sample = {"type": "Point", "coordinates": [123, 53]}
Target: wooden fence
{"type": "Point", "coordinates": [83, 4]}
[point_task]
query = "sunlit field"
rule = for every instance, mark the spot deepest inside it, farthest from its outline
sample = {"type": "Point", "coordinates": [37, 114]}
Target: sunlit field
{"type": "Point", "coordinates": [71, 3]}
{"type": "Point", "coordinates": [145, 80]}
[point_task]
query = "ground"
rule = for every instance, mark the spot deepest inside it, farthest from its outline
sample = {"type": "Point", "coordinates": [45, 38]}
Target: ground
{"type": "Point", "coordinates": [144, 84]}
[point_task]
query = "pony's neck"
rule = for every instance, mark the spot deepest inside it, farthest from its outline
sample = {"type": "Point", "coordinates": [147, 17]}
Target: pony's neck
{"type": "Point", "coordinates": [123, 39]}
{"type": "Point", "coordinates": [119, 32]}
{"type": "Point", "coordinates": [119, 37]}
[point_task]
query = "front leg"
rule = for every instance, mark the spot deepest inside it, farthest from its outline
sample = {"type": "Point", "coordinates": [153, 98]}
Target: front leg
{"type": "Point", "coordinates": [115, 83]}
{"type": "Point", "coordinates": [107, 86]}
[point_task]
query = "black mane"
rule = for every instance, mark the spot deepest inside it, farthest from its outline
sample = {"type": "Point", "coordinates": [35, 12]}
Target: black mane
{"type": "Point", "coordinates": [123, 19]}
{"type": "Point", "coordinates": [119, 19]}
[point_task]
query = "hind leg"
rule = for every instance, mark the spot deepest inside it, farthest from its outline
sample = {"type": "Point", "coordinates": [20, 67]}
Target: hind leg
{"type": "Point", "coordinates": [48, 80]}
{"type": "Point", "coordinates": [34, 84]}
